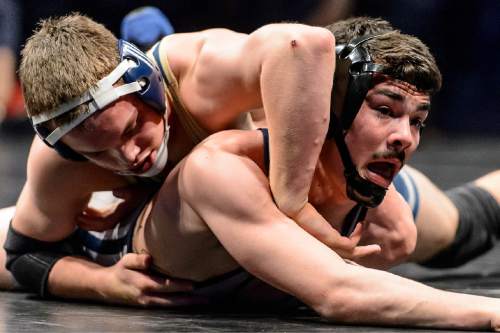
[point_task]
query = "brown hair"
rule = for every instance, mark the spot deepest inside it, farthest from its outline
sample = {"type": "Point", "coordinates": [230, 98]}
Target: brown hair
{"type": "Point", "coordinates": [62, 59]}
{"type": "Point", "coordinates": [404, 57]}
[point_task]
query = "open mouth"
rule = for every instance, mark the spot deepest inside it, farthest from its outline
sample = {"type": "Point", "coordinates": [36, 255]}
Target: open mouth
{"type": "Point", "coordinates": [141, 167]}
{"type": "Point", "coordinates": [144, 165]}
{"type": "Point", "coordinates": [382, 172]}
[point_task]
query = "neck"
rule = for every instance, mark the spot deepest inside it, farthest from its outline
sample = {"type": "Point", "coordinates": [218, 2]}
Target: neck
{"type": "Point", "coordinates": [180, 143]}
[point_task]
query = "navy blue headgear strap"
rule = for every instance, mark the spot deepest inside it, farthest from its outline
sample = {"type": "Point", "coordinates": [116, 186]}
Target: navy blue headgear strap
{"type": "Point", "coordinates": [153, 92]}
{"type": "Point", "coordinates": [140, 75]}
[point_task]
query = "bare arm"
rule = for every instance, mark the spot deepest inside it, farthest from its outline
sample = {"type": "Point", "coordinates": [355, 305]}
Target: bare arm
{"type": "Point", "coordinates": [275, 249]}
{"type": "Point", "coordinates": [287, 69]}
{"type": "Point", "coordinates": [51, 199]}
{"type": "Point", "coordinates": [55, 192]}
{"type": "Point", "coordinates": [126, 282]}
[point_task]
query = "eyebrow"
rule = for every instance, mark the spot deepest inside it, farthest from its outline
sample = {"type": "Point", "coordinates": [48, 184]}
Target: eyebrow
{"type": "Point", "coordinates": [398, 97]}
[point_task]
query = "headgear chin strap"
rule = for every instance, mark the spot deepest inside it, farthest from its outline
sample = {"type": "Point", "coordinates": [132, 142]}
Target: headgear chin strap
{"type": "Point", "coordinates": [353, 78]}
{"type": "Point", "coordinates": [140, 75]}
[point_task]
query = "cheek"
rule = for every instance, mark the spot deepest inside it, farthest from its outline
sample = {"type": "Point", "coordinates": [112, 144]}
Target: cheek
{"type": "Point", "coordinates": [365, 140]}
{"type": "Point", "coordinates": [414, 146]}
{"type": "Point", "coordinates": [151, 128]}
{"type": "Point", "coordinates": [365, 137]}
{"type": "Point", "coordinates": [360, 144]}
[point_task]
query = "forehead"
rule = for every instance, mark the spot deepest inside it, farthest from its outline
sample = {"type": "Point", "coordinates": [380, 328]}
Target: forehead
{"type": "Point", "coordinates": [102, 127]}
{"type": "Point", "coordinates": [400, 91]}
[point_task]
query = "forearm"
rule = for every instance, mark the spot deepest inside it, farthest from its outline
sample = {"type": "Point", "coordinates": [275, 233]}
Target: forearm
{"type": "Point", "coordinates": [76, 278]}
{"type": "Point", "coordinates": [309, 219]}
{"type": "Point", "coordinates": [376, 297]}
{"type": "Point", "coordinates": [296, 82]}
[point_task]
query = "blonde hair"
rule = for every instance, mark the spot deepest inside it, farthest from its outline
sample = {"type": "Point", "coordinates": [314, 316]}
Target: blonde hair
{"type": "Point", "coordinates": [62, 59]}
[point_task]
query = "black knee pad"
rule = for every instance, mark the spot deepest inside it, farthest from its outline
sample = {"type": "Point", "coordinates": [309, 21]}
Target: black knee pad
{"type": "Point", "coordinates": [478, 226]}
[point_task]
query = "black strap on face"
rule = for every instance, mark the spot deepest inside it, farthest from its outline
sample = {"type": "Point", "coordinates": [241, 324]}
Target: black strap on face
{"type": "Point", "coordinates": [357, 188]}
{"type": "Point", "coordinates": [354, 69]}
{"type": "Point", "coordinates": [353, 78]}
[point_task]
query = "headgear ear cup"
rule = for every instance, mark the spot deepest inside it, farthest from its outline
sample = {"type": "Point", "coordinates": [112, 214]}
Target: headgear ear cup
{"type": "Point", "coordinates": [153, 93]}
{"type": "Point", "coordinates": [140, 76]}
{"type": "Point", "coordinates": [352, 80]}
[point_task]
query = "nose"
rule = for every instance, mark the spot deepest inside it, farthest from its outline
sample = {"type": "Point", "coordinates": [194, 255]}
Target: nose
{"type": "Point", "coordinates": [401, 138]}
{"type": "Point", "coordinates": [128, 152]}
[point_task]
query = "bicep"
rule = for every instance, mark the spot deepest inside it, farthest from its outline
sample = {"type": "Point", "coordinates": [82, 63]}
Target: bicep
{"type": "Point", "coordinates": [238, 208]}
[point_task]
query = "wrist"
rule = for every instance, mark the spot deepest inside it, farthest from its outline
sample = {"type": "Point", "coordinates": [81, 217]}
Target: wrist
{"type": "Point", "coordinates": [99, 282]}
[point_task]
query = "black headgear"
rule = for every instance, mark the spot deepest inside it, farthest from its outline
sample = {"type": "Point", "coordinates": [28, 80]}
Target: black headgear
{"type": "Point", "coordinates": [353, 78]}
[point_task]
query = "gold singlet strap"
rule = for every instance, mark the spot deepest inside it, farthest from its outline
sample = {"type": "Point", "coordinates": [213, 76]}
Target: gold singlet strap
{"type": "Point", "coordinates": [191, 126]}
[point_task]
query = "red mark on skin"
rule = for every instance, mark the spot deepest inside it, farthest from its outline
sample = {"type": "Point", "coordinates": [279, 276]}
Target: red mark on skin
{"type": "Point", "coordinates": [293, 43]}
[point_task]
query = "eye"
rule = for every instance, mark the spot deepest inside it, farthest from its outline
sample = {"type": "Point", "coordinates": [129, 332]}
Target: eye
{"type": "Point", "coordinates": [418, 123]}
{"type": "Point", "coordinates": [130, 128]}
{"type": "Point", "coordinates": [384, 110]}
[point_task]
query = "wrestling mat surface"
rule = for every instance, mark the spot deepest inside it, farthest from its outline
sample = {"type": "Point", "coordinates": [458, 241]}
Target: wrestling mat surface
{"type": "Point", "coordinates": [447, 161]}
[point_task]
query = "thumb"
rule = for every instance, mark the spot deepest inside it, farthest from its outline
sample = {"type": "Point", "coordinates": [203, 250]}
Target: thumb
{"type": "Point", "coordinates": [136, 261]}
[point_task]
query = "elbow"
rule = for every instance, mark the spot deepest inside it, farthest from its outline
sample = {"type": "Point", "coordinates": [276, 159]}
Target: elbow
{"type": "Point", "coordinates": [341, 296]}
{"type": "Point", "coordinates": [288, 207]}
{"type": "Point", "coordinates": [343, 305]}
{"type": "Point", "coordinates": [316, 41]}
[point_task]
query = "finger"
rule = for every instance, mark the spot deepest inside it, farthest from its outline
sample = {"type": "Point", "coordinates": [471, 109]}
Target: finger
{"type": "Point", "coordinates": [136, 261]}
{"type": "Point", "coordinates": [166, 285]}
{"type": "Point", "coordinates": [341, 243]}
{"type": "Point", "coordinates": [366, 250]}
{"type": "Point", "coordinates": [122, 211]}
{"type": "Point", "coordinates": [93, 212]}
{"type": "Point", "coordinates": [174, 301]}
{"type": "Point", "coordinates": [356, 234]}
{"type": "Point", "coordinates": [176, 285]}
{"type": "Point", "coordinates": [130, 192]}
{"type": "Point", "coordinates": [124, 192]}
{"type": "Point", "coordinates": [95, 223]}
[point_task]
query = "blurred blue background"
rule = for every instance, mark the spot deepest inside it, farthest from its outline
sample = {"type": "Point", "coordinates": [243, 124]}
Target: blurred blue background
{"type": "Point", "coordinates": [463, 35]}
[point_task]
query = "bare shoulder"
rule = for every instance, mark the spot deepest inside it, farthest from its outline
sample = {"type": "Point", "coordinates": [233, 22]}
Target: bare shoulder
{"type": "Point", "coordinates": [222, 160]}
{"type": "Point", "coordinates": [184, 49]}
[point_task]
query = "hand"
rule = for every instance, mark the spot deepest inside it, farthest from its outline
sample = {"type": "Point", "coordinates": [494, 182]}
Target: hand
{"type": "Point", "coordinates": [346, 247]}
{"type": "Point", "coordinates": [105, 218]}
{"type": "Point", "coordinates": [128, 282]}
{"type": "Point", "coordinates": [349, 248]}
{"type": "Point", "coordinates": [392, 226]}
